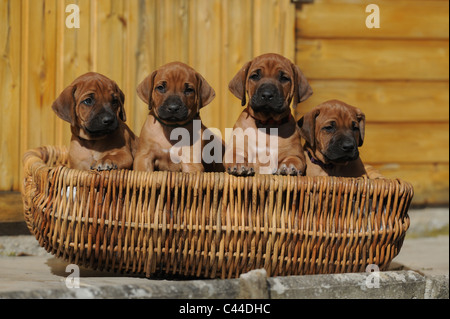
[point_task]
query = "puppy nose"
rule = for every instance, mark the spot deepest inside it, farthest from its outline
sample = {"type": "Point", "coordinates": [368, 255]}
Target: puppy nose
{"type": "Point", "coordinates": [108, 119]}
{"type": "Point", "coordinates": [267, 95]}
{"type": "Point", "coordinates": [173, 107]}
{"type": "Point", "coordinates": [348, 146]}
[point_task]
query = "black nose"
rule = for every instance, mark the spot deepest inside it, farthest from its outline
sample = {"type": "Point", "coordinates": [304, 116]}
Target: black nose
{"type": "Point", "coordinates": [267, 92]}
{"type": "Point", "coordinates": [348, 146]}
{"type": "Point", "coordinates": [267, 95]}
{"type": "Point", "coordinates": [173, 107]}
{"type": "Point", "coordinates": [108, 119]}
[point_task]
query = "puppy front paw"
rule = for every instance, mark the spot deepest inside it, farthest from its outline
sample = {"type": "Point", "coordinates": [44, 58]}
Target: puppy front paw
{"type": "Point", "coordinates": [288, 170]}
{"type": "Point", "coordinates": [240, 170]}
{"type": "Point", "coordinates": [103, 165]}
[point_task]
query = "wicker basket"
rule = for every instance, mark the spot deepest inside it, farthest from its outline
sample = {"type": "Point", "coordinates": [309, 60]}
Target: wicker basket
{"type": "Point", "coordinates": [211, 224]}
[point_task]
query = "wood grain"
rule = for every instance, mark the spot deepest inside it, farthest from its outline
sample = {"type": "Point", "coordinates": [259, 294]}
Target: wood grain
{"type": "Point", "coordinates": [406, 143]}
{"type": "Point", "coordinates": [10, 44]}
{"type": "Point", "coordinates": [398, 19]}
{"type": "Point", "coordinates": [364, 59]}
{"type": "Point", "coordinates": [430, 180]}
{"type": "Point", "coordinates": [385, 101]}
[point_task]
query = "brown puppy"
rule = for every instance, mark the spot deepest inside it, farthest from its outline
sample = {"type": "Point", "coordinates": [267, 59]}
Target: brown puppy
{"type": "Point", "coordinates": [175, 93]}
{"type": "Point", "coordinates": [271, 82]}
{"type": "Point", "coordinates": [333, 131]}
{"type": "Point", "coordinates": [94, 106]}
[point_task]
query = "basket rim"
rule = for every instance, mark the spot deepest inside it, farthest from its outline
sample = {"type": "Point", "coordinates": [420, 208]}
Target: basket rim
{"type": "Point", "coordinates": [35, 160]}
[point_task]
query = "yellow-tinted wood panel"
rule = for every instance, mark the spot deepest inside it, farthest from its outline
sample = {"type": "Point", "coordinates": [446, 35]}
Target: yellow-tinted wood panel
{"type": "Point", "coordinates": [74, 50]}
{"type": "Point", "coordinates": [144, 57]}
{"type": "Point", "coordinates": [10, 30]}
{"type": "Point", "coordinates": [406, 143]}
{"type": "Point", "coordinates": [273, 21]}
{"type": "Point", "coordinates": [108, 46]}
{"type": "Point", "coordinates": [236, 53]}
{"type": "Point", "coordinates": [385, 101]}
{"type": "Point", "coordinates": [205, 37]}
{"type": "Point", "coordinates": [430, 181]}
{"type": "Point", "coordinates": [398, 19]}
{"type": "Point", "coordinates": [37, 118]}
{"type": "Point", "coordinates": [373, 59]}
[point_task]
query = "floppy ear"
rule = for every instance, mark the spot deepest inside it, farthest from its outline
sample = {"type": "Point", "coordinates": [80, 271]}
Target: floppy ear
{"type": "Point", "coordinates": [307, 125]}
{"type": "Point", "coordinates": [362, 125]}
{"type": "Point", "coordinates": [65, 103]}
{"type": "Point", "coordinates": [145, 88]}
{"type": "Point", "coordinates": [205, 93]}
{"type": "Point", "coordinates": [302, 89]}
{"type": "Point", "coordinates": [237, 84]}
{"type": "Point", "coordinates": [122, 114]}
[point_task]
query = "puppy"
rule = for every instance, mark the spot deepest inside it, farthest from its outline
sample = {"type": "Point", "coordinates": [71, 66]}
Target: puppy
{"type": "Point", "coordinates": [273, 139]}
{"type": "Point", "coordinates": [333, 131]}
{"type": "Point", "coordinates": [94, 106]}
{"type": "Point", "coordinates": [175, 93]}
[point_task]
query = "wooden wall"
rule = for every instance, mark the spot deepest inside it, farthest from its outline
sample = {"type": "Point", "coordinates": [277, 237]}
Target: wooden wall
{"type": "Point", "coordinates": [125, 40]}
{"type": "Point", "coordinates": [397, 74]}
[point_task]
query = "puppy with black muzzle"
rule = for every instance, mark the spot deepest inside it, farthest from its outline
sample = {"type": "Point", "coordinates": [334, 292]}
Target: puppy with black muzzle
{"type": "Point", "coordinates": [94, 106]}
{"type": "Point", "coordinates": [333, 132]}
{"type": "Point", "coordinates": [265, 137]}
{"type": "Point", "coordinates": [175, 93]}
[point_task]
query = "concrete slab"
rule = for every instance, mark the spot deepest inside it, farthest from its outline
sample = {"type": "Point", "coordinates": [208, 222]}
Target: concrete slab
{"type": "Point", "coordinates": [428, 256]}
{"type": "Point", "coordinates": [48, 277]}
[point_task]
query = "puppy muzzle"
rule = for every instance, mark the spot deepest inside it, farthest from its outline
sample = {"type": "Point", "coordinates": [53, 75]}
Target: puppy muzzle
{"type": "Point", "coordinates": [102, 124]}
{"type": "Point", "coordinates": [342, 150]}
{"type": "Point", "coordinates": [173, 110]}
{"type": "Point", "coordinates": [268, 99]}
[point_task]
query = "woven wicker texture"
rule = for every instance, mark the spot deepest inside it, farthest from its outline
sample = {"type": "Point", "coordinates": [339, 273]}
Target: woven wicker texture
{"type": "Point", "coordinates": [211, 225]}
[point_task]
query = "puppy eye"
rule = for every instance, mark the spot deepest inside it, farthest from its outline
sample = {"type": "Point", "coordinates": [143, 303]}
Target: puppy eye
{"type": "Point", "coordinates": [89, 101]}
{"type": "Point", "coordinates": [188, 91]}
{"type": "Point", "coordinates": [355, 126]}
{"type": "Point", "coordinates": [115, 102]}
{"type": "Point", "coordinates": [330, 128]}
{"type": "Point", "coordinates": [255, 76]}
{"type": "Point", "coordinates": [284, 79]}
{"type": "Point", "coordinates": [161, 88]}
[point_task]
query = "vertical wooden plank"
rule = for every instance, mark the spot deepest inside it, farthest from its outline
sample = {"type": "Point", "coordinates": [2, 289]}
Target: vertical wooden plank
{"type": "Point", "coordinates": [10, 45]}
{"type": "Point", "coordinates": [74, 55]}
{"type": "Point", "coordinates": [172, 31]}
{"type": "Point", "coordinates": [24, 37]}
{"type": "Point", "coordinates": [129, 62]}
{"type": "Point", "coordinates": [206, 43]}
{"type": "Point", "coordinates": [94, 34]}
{"type": "Point", "coordinates": [109, 42]}
{"type": "Point", "coordinates": [59, 73]}
{"type": "Point", "coordinates": [239, 50]}
{"type": "Point", "coordinates": [145, 39]}
{"type": "Point", "coordinates": [274, 27]}
{"type": "Point", "coordinates": [287, 35]}
{"type": "Point", "coordinates": [40, 69]}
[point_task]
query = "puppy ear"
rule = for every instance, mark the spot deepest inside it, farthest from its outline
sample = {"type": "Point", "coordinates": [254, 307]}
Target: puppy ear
{"type": "Point", "coordinates": [205, 93]}
{"type": "Point", "coordinates": [307, 125]}
{"type": "Point", "coordinates": [302, 89]}
{"type": "Point", "coordinates": [237, 84]}
{"type": "Point", "coordinates": [122, 113]}
{"type": "Point", "coordinates": [362, 125]}
{"type": "Point", "coordinates": [145, 88]}
{"type": "Point", "coordinates": [64, 104]}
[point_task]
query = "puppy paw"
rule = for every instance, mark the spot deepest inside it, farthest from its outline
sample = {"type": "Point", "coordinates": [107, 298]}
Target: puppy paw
{"type": "Point", "coordinates": [103, 165]}
{"type": "Point", "coordinates": [288, 170]}
{"type": "Point", "coordinates": [241, 170]}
